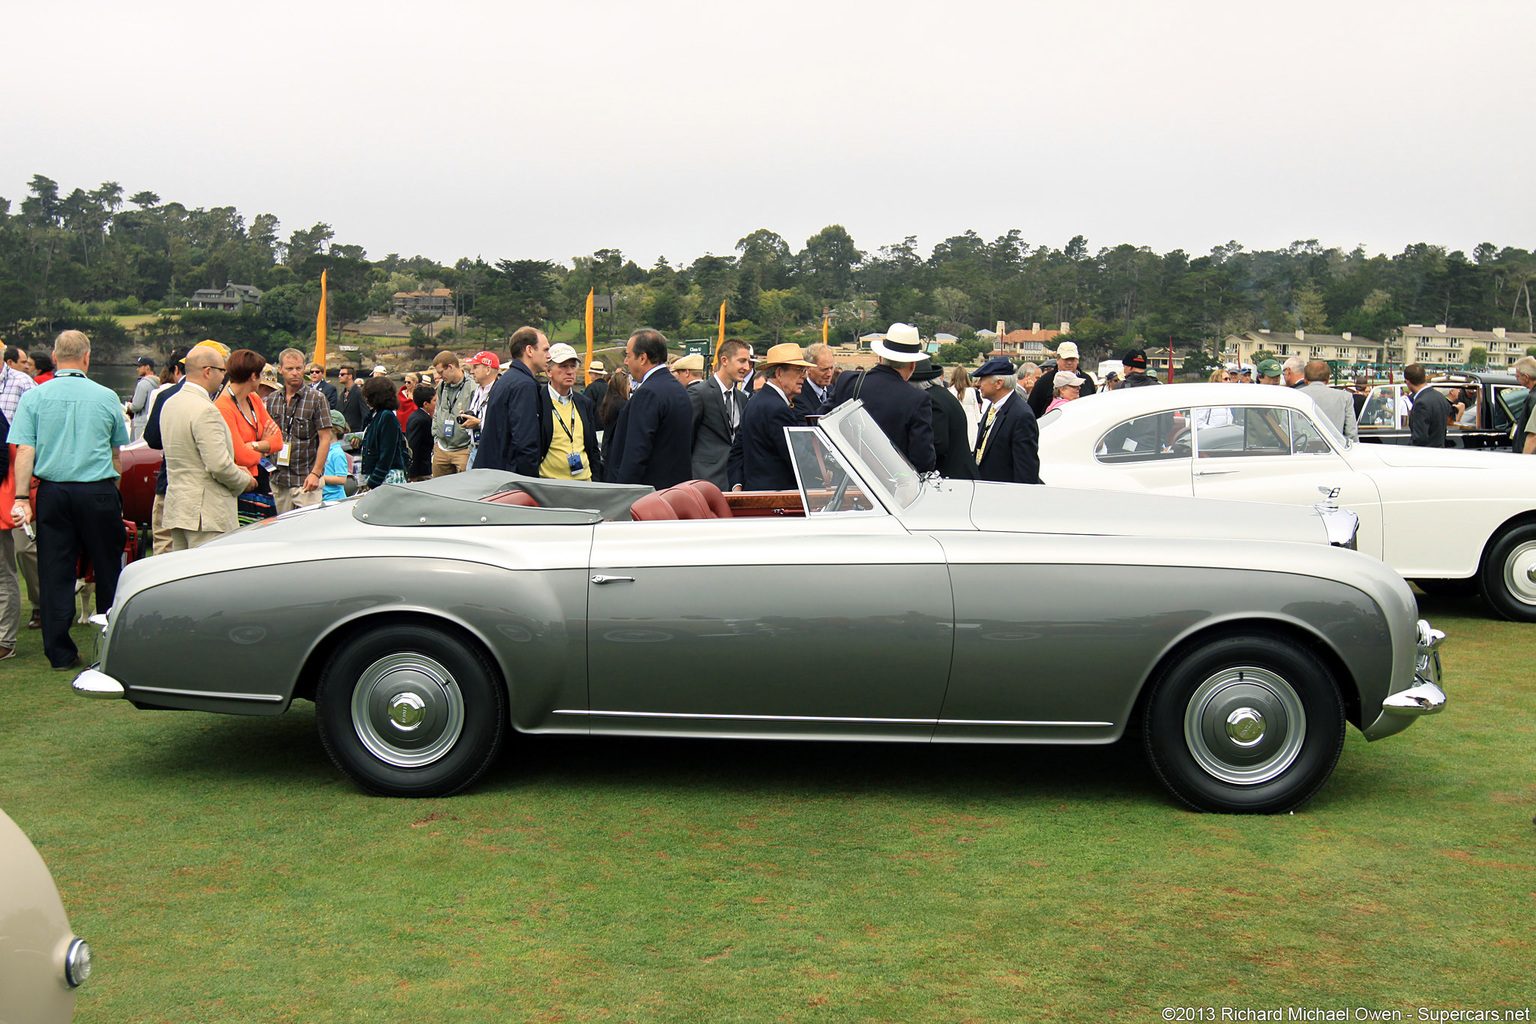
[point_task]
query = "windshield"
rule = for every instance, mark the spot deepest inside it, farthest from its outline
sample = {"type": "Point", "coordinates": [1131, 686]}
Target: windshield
{"type": "Point", "coordinates": [861, 437]}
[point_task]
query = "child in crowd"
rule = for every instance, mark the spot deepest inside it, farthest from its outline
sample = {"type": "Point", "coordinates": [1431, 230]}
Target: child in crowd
{"type": "Point", "coordinates": [335, 478]}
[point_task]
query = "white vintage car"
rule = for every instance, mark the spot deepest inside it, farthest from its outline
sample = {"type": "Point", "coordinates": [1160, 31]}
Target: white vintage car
{"type": "Point", "coordinates": [1446, 519]}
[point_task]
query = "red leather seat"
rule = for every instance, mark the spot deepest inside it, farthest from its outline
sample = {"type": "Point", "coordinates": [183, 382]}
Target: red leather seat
{"type": "Point", "coordinates": [512, 498]}
{"type": "Point", "coordinates": [651, 507]}
{"type": "Point", "coordinates": [686, 502]}
{"type": "Point", "coordinates": [719, 508]}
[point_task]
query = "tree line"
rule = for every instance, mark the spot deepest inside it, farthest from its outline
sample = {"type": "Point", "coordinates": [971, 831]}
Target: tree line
{"type": "Point", "coordinates": [84, 257]}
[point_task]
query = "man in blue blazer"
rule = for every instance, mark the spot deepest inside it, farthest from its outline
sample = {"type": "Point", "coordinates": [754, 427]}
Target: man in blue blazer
{"type": "Point", "coordinates": [1008, 442]}
{"type": "Point", "coordinates": [509, 435]}
{"type": "Point", "coordinates": [765, 461]}
{"type": "Point", "coordinates": [658, 432]}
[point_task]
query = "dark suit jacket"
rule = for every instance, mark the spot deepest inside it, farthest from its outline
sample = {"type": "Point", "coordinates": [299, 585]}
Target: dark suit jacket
{"type": "Point", "coordinates": [509, 434]}
{"type": "Point", "coordinates": [1041, 394]}
{"type": "Point", "coordinates": [1012, 451]}
{"type": "Point", "coordinates": [588, 412]}
{"type": "Point", "coordinates": [901, 410]}
{"type": "Point", "coordinates": [712, 434]}
{"type": "Point", "coordinates": [332, 396]}
{"type": "Point", "coordinates": [1426, 420]}
{"type": "Point", "coordinates": [418, 434]}
{"type": "Point", "coordinates": [806, 402]}
{"type": "Point", "coordinates": [953, 457]}
{"type": "Point", "coordinates": [356, 410]}
{"type": "Point", "coordinates": [657, 434]}
{"type": "Point", "coordinates": [765, 464]}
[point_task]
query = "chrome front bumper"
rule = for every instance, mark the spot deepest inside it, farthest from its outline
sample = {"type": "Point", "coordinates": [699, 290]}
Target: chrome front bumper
{"type": "Point", "coordinates": [92, 683]}
{"type": "Point", "coordinates": [1425, 696]}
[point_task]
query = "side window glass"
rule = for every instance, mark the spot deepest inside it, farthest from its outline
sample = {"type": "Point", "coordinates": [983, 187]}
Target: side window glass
{"type": "Point", "coordinates": [1156, 438]}
{"type": "Point", "coordinates": [1251, 432]}
{"type": "Point", "coordinates": [826, 483]}
{"type": "Point", "coordinates": [1380, 408]}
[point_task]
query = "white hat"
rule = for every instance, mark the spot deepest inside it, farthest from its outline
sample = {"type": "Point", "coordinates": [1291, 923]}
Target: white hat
{"type": "Point", "coordinates": [561, 353]}
{"type": "Point", "coordinates": [379, 371]}
{"type": "Point", "coordinates": [901, 344]}
{"type": "Point", "coordinates": [1066, 379]}
{"type": "Point", "coordinates": [1067, 350]}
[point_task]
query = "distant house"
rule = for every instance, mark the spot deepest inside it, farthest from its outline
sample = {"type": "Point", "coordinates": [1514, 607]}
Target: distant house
{"type": "Point", "coordinates": [437, 302]}
{"type": "Point", "coordinates": [1033, 345]}
{"type": "Point", "coordinates": [231, 298]}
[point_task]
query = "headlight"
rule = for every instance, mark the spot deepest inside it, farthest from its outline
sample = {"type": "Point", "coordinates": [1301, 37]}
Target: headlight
{"type": "Point", "coordinates": [77, 963]}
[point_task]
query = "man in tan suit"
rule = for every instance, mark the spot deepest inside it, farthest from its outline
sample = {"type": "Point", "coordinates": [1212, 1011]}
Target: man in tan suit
{"type": "Point", "coordinates": [202, 479]}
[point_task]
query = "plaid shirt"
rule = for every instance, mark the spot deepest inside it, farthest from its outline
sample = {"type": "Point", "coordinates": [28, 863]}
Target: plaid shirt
{"type": "Point", "coordinates": [13, 384]}
{"type": "Point", "coordinates": [301, 421]}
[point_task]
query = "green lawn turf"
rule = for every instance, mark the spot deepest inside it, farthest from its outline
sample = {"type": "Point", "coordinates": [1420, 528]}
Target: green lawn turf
{"type": "Point", "coordinates": [223, 870]}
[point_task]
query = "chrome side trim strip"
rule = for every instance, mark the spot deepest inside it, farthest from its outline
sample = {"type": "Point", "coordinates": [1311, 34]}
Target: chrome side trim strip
{"type": "Point", "coordinates": [830, 718]}
{"type": "Point", "coordinates": [265, 698]}
{"type": "Point", "coordinates": [986, 721]}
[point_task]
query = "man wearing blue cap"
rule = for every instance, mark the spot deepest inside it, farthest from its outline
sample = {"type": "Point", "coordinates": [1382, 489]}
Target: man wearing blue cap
{"type": "Point", "coordinates": [1008, 441]}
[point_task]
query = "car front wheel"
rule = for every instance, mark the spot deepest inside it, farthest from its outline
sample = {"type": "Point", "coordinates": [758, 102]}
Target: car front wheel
{"type": "Point", "coordinates": [1244, 725]}
{"type": "Point", "coordinates": [410, 711]}
{"type": "Point", "coordinates": [1508, 577]}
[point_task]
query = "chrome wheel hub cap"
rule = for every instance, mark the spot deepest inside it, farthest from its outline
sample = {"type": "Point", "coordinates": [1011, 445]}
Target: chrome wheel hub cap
{"type": "Point", "coordinates": [1245, 725]}
{"type": "Point", "coordinates": [1520, 573]}
{"type": "Point", "coordinates": [407, 710]}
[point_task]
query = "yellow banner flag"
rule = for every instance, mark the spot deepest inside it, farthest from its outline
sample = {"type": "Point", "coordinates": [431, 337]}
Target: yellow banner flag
{"type": "Point", "coordinates": [320, 325]}
{"type": "Point", "coordinates": [721, 340]}
{"type": "Point", "coordinates": [588, 364]}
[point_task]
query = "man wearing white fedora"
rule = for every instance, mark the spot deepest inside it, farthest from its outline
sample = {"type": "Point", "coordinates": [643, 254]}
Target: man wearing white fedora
{"type": "Point", "coordinates": [901, 410]}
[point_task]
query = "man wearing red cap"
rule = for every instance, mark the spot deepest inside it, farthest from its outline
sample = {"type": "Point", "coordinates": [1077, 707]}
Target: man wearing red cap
{"type": "Point", "coordinates": [484, 367]}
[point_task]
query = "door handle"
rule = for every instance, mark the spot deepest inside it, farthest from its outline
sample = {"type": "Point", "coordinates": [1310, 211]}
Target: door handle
{"type": "Point", "coordinates": [600, 580]}
{"type": "Point", "coordinates": [1213, 472]}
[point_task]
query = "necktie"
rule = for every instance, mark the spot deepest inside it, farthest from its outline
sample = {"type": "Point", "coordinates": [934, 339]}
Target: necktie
{"type": "Point", "coordinates": [981, 437]}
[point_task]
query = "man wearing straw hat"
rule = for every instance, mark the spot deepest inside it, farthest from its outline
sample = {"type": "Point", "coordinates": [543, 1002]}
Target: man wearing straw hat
{"type": "Point", "coordinates": [902, 411]}
{"type": "Point", "coordinates": [765, 462]}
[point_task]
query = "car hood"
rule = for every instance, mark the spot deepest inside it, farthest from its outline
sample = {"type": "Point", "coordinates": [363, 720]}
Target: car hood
{"type": "Point", "coordinates": [1019, 508]}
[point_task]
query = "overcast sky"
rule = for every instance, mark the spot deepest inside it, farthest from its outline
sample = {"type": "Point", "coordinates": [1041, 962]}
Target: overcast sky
{"type": "Point", "coordinates": [669, 128]}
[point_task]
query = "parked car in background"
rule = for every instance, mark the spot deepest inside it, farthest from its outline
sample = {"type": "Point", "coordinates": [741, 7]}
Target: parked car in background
{"type": "Point", "coordinates": [42, 960]}
{"type": "Point", "coordinates": [428, 622]}
{"type": "Point", "coordinates": [1384, 417]}
{"type": "Point", "coordinates": [1443, 518]}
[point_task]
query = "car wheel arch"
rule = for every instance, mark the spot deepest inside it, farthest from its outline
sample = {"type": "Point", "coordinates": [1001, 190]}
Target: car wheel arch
{"type": "Point", "coordinates": [1513, 609]}
{"type": "Point", "coordinates": [336, 637]}
{"type": "Point", "coordinates": [1277, 627]}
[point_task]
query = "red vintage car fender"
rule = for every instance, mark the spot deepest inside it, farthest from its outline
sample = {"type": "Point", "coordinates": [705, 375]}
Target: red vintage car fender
{"type": "Point", "coordinates": [141, 465]}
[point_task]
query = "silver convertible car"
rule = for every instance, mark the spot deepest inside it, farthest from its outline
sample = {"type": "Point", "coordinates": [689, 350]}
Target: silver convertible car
{"type": "Point", "coordinates": [428, 622]}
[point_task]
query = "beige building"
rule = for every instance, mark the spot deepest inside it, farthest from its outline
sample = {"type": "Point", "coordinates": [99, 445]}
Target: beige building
{"type": "Point", "coordinates": [1343, 348]}
{"type": "Point", "coordinates": [437, 300]}
{"type": "Point", "coordinates": [1442, 347]}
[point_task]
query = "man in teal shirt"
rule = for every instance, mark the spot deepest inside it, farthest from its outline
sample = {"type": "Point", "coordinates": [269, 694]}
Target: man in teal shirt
{"type": "Point", "coordinates": [67, 433]}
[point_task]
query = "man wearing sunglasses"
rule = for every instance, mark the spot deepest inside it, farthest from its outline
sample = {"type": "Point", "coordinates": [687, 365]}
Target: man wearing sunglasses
{"type": "Point", "coordinates": [315, 378]}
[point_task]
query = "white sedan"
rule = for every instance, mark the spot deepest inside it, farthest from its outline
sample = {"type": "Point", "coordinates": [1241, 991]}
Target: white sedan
{"type": "Point", "coordinates": [1447, 519]}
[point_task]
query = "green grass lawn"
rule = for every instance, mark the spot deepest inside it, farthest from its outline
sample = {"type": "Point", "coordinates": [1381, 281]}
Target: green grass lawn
{"type": "Point", "coordinates": [223, 870]}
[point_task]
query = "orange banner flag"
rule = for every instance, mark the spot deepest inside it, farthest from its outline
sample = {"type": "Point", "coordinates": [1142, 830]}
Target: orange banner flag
{"type": "Point", "coordinates": [588, 364]}
{"type": "Point", "coordinates": [721, 340]}
{"type": "Point", "coordinates": [824, 321]}
{"type": "Point", "coordinates": [320, 325]}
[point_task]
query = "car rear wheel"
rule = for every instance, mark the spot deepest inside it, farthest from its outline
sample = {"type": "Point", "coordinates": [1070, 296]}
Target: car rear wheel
{"type": "Point", "coordinates": [410, 711]}
{"type": "Point", "coordinates": [1508, 576]}
{"type": "Point", "coordinates": [1244, 725]}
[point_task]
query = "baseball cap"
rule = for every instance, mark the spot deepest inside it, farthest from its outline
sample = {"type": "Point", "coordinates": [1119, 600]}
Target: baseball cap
{"type": "Point", "coordinates": [483, 358]}
{"type": "Point", "coordinates": [561, 353]}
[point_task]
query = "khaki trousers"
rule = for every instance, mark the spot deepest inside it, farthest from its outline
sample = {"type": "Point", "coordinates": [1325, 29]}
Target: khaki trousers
{"type": "Point", "coordinates": [289, 498]}
{"type": "Point", "coordinates": [10, 590]}
{"type": "Point", "coordinates": [26, 566]}
{"type": "Point", "coordinates": [181, 540]}
{"type": "Point", "coordinates": [445, 462]}
{"type": "Point", "coordinates": [160, 537]}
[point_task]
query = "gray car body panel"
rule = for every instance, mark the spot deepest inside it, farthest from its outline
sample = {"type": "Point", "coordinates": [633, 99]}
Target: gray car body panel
{"type": "Point", "coordinates": [964, 616]}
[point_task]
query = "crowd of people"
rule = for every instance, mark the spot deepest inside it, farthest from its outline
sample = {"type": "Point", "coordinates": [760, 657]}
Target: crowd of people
{"type": "Point", "coordinates": [243, 439]}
